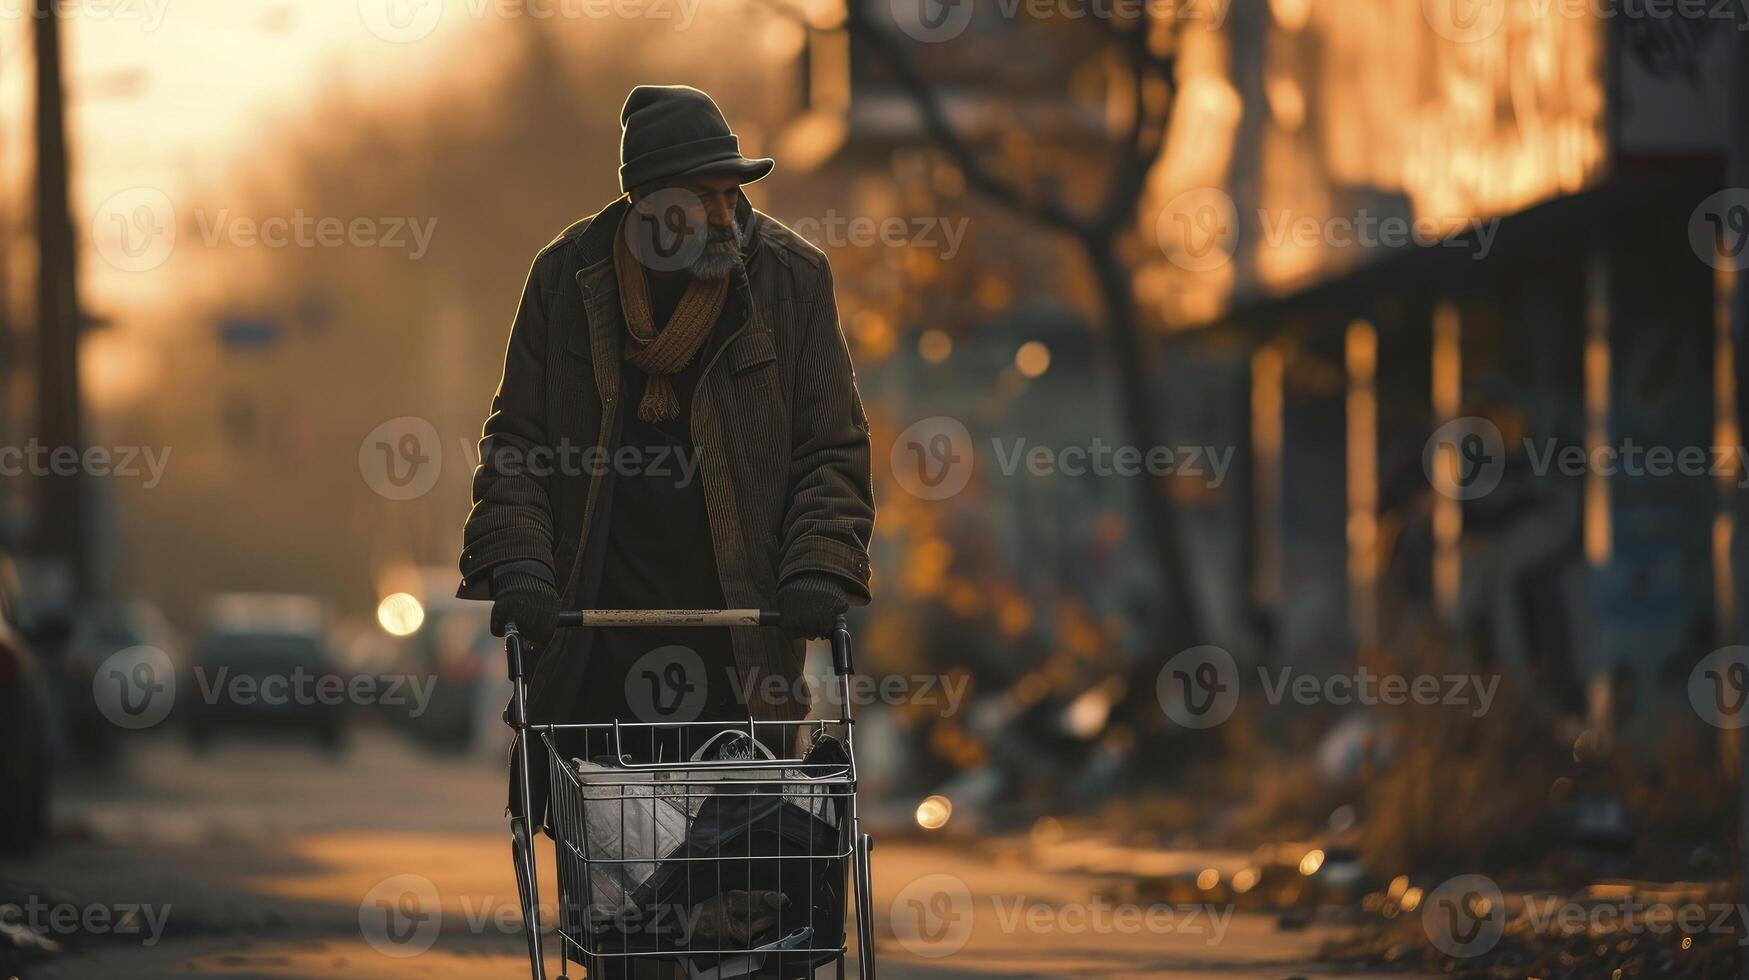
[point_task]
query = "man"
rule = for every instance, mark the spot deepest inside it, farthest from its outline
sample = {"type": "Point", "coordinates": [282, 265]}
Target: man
{"type": "Point", "coordinates": [677, 426]}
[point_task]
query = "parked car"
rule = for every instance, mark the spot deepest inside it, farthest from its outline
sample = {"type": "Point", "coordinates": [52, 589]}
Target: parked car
{"type": "Point", "coordinates": [26, 727]}
{"type": "Point", "coordinates": [263, 665]}
{"type": "Point", "coordinates": [455, 652]}
{"type": "Point", "coordinates": [102, 630]}
{"type": "Point", "coordinates": [456, 649]}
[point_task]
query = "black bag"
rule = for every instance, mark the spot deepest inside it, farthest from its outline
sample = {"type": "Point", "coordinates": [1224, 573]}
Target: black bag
{"type": "Point", "coordinates": [753, 840]}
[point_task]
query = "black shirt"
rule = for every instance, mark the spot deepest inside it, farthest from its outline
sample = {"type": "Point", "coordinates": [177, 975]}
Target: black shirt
{"type": "Point", "coordinates": [659, 555]}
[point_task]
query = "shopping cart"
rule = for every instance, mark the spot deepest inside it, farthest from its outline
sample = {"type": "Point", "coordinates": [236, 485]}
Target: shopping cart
{"type": "Point", "coordinates": [699, 849]}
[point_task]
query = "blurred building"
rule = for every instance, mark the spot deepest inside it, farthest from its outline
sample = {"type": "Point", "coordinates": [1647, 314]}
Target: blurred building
{"type": "Point", "coordinates": [1406, 396]}
{"type": "Point", "coordinates": [1372, 220]}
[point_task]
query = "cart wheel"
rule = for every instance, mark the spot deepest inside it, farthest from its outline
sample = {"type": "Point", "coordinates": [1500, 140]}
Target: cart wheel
{"type": "Point", "coordinates": [865, 958]}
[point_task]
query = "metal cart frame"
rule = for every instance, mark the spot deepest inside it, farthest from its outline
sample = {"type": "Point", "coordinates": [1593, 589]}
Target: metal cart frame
{"type": "Point", "coordinates": [688, 781]}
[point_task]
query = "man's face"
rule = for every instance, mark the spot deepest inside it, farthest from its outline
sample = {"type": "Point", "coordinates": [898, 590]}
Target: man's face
{"type": "Point", "coordinates": [682, 210]}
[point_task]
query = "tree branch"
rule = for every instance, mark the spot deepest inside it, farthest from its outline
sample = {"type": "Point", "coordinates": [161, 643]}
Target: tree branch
{"type": "Point", "coordinates": [928, 102]}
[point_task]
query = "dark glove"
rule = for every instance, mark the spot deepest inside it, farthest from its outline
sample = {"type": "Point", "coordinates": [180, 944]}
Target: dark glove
{"type": "Point", "coordinates": [811, 605]}
{"type": "Point", "coordinates": [530, 602]}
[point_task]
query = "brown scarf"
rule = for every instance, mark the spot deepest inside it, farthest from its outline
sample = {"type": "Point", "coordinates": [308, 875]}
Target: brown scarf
{"type": "Point", "coordinates": [659, 353]}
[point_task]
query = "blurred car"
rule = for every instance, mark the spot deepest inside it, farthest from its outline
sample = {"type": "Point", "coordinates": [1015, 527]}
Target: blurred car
{"type": "Point", "coordinates": [26, 739]}
{"type": "Point", "coordinates": [263, 664]}
{"type": "Point", "coordinates": [102, 630]}
{"type": "Point", "coordinates": [454, 651]}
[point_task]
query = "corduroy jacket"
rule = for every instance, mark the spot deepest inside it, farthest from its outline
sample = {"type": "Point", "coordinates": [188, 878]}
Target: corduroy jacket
{"type": "Point", "coordinates": [781, 436]}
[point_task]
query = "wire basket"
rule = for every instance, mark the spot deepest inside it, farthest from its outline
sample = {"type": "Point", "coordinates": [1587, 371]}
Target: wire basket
{"type": "Point", "coordinates": [707, 850]}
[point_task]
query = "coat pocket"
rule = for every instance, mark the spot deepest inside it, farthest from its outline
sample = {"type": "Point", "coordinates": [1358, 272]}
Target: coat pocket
{"type": "Point", "coordinates": [751, 352]}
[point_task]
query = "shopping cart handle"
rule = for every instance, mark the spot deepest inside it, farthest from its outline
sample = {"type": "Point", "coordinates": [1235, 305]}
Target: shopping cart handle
{"type": "Point", "coordinates": [671, 617]}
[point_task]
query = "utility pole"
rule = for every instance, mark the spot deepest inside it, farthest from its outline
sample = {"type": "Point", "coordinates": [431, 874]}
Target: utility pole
{"type": "Point", "coordinates": [1737, 175]}
{"type": "Point", "coordinates": [63, 529]}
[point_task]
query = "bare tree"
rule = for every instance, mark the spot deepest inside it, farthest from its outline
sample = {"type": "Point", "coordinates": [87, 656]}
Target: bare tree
{"type": "Point", "coordinates": [1098, 234]}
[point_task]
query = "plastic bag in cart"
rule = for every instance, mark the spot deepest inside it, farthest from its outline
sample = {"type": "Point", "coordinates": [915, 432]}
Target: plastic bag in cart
{"type": "Point", "coordinates": [630, 825]}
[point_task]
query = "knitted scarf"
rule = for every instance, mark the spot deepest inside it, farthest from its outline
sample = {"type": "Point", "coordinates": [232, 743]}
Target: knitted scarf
{"type": "Point", "coordinates": [659, 353]}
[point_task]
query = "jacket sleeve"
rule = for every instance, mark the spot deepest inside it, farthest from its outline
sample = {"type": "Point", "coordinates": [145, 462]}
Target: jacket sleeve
{"type": "Point", "coordinates": [831, 507]}
{"type": "Point", "coordinates": [512, 521]}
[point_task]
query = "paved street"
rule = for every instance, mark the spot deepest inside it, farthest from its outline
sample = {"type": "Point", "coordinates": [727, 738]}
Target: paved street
{"type": "Point", "coordinates": [264, 860]}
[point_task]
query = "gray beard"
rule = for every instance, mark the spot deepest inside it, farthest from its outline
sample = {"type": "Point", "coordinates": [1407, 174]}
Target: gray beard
{"type": "Point", "coordinates": [719, 257]}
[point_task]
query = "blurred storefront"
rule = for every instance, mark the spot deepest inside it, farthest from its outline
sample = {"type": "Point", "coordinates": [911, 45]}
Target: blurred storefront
{"type": "Point", "coordinates": [1543, 296]}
